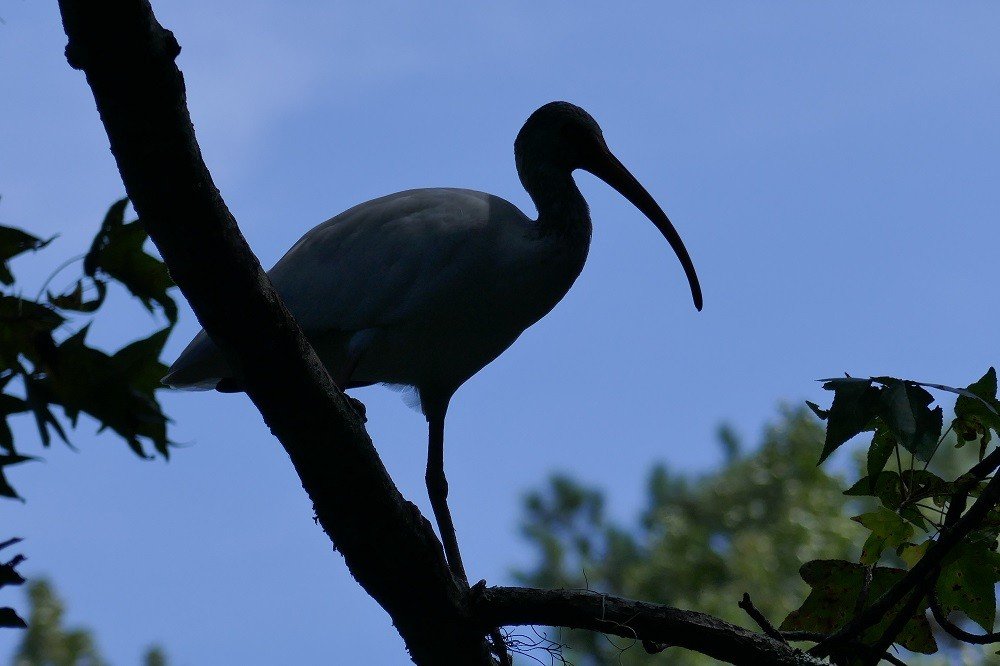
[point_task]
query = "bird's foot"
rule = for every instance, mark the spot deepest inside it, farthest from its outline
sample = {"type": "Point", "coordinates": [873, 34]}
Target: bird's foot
{"type": "Point", "coordinates": [359, 407]}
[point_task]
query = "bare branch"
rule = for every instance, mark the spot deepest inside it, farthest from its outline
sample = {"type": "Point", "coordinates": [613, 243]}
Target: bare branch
{"type": "Point", "coordinates": [746, 603]}
{"type": "Point", "coordinates": [582, 609]}
{"type": "Point", "coordinates": [859, 648]}
{"type": "Point", "coordinates": [905, 614]}
{"type": "Point", "coordinates": [956, 631]}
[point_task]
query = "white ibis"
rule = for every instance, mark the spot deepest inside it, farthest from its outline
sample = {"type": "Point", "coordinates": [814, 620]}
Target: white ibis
{"type": "Point", "coordinates": [423, 288]}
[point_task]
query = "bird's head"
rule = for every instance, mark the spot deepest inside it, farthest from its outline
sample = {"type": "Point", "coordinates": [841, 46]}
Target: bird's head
{"type": "Point", "coordinates": [561, 134]}
{"type": "Point", "coordinates": [564, 137]}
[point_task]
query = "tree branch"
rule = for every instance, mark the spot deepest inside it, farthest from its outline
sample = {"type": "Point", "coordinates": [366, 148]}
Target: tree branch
{"type": "Point", "coordinates": [956, 631]}
{"type": "Point", "coordinates": [956, 527]}
{"type": "Point", "coordinates": [746, 603]}
{"type": "Point", "coordinates": [858, 647]}
{"type": "Point", "coordinates": [583, 609]}
{"type": "Point", "coordinates": [389, 547]}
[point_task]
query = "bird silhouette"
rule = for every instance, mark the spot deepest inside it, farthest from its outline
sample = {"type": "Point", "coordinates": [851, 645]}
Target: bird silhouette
{"type": "Point", "coordinates": [424, 288]}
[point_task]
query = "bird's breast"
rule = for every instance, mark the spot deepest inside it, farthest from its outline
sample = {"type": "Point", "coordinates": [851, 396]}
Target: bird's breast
{"type": "Point", "coordinates": [467, 327]}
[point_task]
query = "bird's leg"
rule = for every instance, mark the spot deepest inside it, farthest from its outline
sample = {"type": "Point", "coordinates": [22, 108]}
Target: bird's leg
{"type": "Point", "coordinates": [437, 489]}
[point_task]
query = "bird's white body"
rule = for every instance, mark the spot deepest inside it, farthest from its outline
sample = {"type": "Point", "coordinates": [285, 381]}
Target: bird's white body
{"type": "Point", "coordinates": [420, 288]}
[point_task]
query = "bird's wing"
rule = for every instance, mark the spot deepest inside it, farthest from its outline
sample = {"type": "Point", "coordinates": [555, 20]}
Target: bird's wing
{"type": "Point", "coordinates": [396, 258]}
{"type": "Point", "coordinates": [399, 258]}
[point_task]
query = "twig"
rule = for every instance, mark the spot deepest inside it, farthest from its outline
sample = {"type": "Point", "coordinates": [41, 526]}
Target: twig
{"type": "Point", "coordinates": [904, 615]}
{"type": "Point", "coordinates": [65, 264]}
{"type": "Point", "coordinates": [818, 637]}
{"type": "Point", "coordinates": [746, 603]}
{"type": "Point", "coordinates": [499, 648]}
{"type": "Point", "coordinates": [866, 584]}
{"type": "Point", "coordinates": [937, 446]}
{"type": "Point", "coordinates": [956, 631]}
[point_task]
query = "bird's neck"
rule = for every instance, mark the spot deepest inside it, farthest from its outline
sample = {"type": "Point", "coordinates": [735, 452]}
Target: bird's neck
{"type": "Point", "coordinates": [562, 210]}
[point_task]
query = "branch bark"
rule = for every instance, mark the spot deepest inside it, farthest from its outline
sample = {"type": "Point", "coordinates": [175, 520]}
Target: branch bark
{"type": "Point", "coordinates": [389, 547]}
{"type": "Point", "coordinates": [638, 620]}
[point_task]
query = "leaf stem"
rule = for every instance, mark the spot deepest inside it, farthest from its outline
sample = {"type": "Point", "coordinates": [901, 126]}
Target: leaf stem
{"type": "Point", "coordinates": [56, 272]}
{"type": "Point", "coordinates": [937, 446]}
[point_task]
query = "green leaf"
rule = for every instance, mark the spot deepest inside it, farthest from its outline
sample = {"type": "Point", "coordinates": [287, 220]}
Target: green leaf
{"type": "Point", "coordinates": [912, 553]}
{"type": "Point", "coordinates": [12, 243]}
{"type": "Point", "coordinates": [5, 488]}
{"type": "Point", "coordinates": [882, 446]}
{"type": "Point", "coordinates": [139, 362]}
{"type": "Point", "coordinates": [871, 550]}
{"type": "Point", "coordinates": [10, 542]}
{"type": "Point", "coordinates": [9, 404]}
{"type": "Point", "coordinates": [821, 413]}
{"type": "Point", "coordinates": [118, 391]}
{"type": "Point", "coordinates": [885, 524]}
{"type": "Point", "coordinates": [914, 516]}
{"type": "Point", "coordinates": [984, 390]}
{"type": "Point", "coordinates": [9, 619]}
{"type": "Point", "coordinates": [968, 580]}
{"type": "Point", "coordinates": [38, 400]}
{"type": "Point", "coordinates": [836, 585]}
{"type": "Point", "coordinates": [976, 410]}
{"type": "Point", "coordinates": [117, 251]}
{"type": "Point", "coordinates": [905, 409]}
{"type": "Point", "coordinates": [888, 530]}
{"type": "Point", "coordinates": [75, 299]}
{"type": "Point", "coordinates": [25, 329]}
{"type": "Point", "coordinates": [921, 484]}
{"type": "Point", "coordinates": [855, 405]}
{"type": "Point", "coordinates": [10, 576]}
{"type": "Point", "coordinates": [886, 487]}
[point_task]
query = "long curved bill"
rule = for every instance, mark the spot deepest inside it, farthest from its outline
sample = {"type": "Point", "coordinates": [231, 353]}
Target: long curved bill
{"type": "Point", "coordinates": [614, 173]}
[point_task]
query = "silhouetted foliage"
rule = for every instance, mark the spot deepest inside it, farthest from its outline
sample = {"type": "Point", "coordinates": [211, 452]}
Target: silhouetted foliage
{"type": "Point", "coordinates": [9, 576]}
{"type": "Point", "coordinates": [46, 363]}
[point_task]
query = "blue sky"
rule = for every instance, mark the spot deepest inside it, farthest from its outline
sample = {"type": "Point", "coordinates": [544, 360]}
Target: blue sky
{"type": "Point", "coordinates": [832, 167]}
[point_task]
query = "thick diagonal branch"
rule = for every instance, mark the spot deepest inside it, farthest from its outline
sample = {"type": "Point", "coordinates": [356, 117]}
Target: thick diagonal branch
{"type": "Point", "coordinates": [389, 547]}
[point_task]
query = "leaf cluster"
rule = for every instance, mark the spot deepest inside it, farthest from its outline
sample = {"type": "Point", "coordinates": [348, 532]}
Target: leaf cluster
{"type": "Point", "coordinates": [47, 365]}
{"type": "Point", "coordinates": [9, 576]}
{"type": "Point", "coordinates": [912, 507]}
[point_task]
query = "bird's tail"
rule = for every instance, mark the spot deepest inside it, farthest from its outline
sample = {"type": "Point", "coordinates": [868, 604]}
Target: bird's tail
{"type": "Point", "coordinates": [200, 367]}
